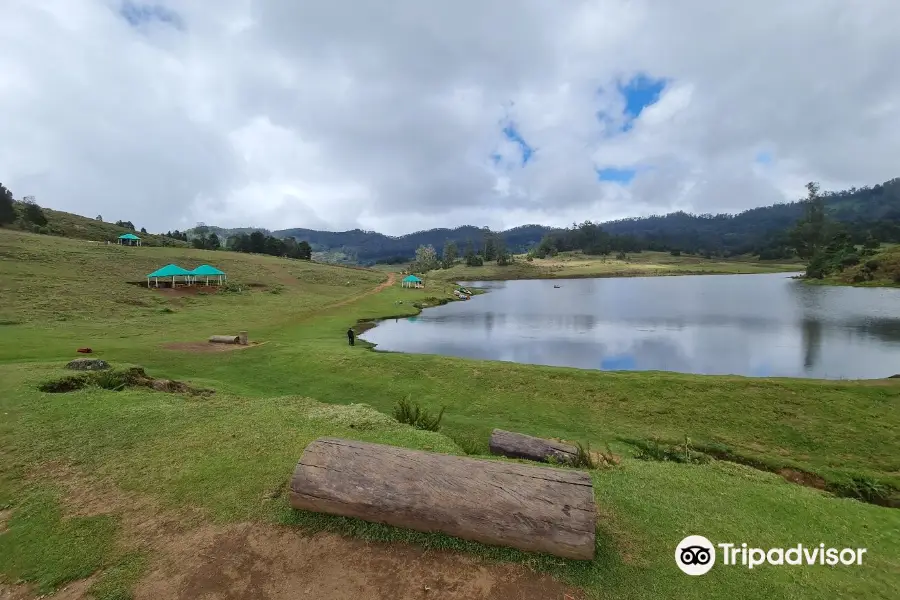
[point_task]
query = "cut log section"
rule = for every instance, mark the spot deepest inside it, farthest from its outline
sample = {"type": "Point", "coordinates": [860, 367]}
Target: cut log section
{"type": "Point", "coordinates": [519, 445]}
{"type": "Point", "coordinates": [223, 339]}
{"type": "Point", "coordinates": [531, 508]}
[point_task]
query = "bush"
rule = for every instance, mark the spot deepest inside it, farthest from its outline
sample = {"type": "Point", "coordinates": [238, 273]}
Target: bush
{"type": "Point", "coordinates": [621, 256]}
{"type": "Point", "coordinates": [675, 252]}
{"type": "Point", "coordinates": [873, 265]}
{"type": "Point", "coordinates": [865, 489]}
{"type": "Point", "coordinates": [411, 413]}
{"type": "Point", "coordinates": [33, 214]}
{"type": "Point", "coordinates": [848, 260]}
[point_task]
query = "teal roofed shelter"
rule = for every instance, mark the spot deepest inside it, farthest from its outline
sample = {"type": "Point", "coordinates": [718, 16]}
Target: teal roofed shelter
{"type": "Point", "coordinates": [128, 239]}
{"type": "Point", "coordinates": [411, 281]}
{"type": "Point", "coordinates": [167, 271]}
{"type": "Point", "coordinates": [209, 271]}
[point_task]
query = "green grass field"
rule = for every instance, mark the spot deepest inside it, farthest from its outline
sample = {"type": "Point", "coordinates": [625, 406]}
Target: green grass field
{"type": "Point", "coordinates": [569, 265]}
{"type": "Point", "coordinates": [228, 455]}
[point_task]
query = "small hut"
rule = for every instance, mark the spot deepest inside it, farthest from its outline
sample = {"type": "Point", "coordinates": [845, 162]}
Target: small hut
{"type": "Point", "coordinates": [208, 272]}
{"type": "Point", "coordinates": [411, 281]}
{"type": "Point", "coordinates": [167, 271]}
{"type": "Point", "coordinates": [128, 239]}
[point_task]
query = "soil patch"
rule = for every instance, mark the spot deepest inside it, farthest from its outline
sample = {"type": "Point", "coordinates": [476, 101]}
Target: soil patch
{"type": "Point", "coordinates": [180, 290]}
{"type": "Point", "coordinates": [245, 561]}
{"type": "Point", "coordinates": [249, 561]}
{"type": "Point", "coordinates": [803, 478]}
{"type": "Point", "coordinates": [207, 347]}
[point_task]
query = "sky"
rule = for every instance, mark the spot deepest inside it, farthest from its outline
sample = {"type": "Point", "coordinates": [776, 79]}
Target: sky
{"type": "Point", "coordinates": [403, 115]}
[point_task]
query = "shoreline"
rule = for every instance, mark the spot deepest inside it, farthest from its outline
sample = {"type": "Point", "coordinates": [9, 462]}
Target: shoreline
{"type": "Point", "coordinates": [610, 275]}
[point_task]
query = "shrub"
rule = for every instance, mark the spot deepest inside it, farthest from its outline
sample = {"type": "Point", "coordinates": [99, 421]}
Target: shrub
{"type": "Point", "coordinates": [863, 488]}
{"type": "Point", "coordinates": [675, 252]}
{"type": "Point", "coordinates": [34, 215]}
{"type": "Point", "coordinates": [411, 413]}
{"type": "Point", "coordinates": [873, 265]}
{"type": "Point", "coordinates": [621, 256]}
{"type": "Point", "coordinates": [848, 260]}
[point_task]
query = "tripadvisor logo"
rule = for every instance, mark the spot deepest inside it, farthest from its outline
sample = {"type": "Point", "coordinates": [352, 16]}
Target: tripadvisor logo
{"type": "Point", "coordinates": [696, 555]}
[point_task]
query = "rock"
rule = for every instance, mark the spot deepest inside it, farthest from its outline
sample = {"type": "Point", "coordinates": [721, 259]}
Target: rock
{"type": "Point", "coordinates": [88, 364]}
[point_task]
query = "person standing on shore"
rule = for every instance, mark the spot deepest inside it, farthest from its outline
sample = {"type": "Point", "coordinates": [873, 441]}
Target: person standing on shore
{"type": "Point", "coordinates": [351, 337]}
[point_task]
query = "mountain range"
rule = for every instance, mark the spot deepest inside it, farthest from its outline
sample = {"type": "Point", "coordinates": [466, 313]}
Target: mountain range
{"type": "Point", "coordinates": [865, 211]}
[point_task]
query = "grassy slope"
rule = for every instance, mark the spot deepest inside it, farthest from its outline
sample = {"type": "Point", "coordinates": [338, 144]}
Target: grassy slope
{"type": "Point", "coordinates": [881, 270]}
{"type": "Point", "coordinates": [572, 265]}
{"type": "Point", "coordinates": [70, 225]}
{"type": "Point", "coordinates": [225, 454]}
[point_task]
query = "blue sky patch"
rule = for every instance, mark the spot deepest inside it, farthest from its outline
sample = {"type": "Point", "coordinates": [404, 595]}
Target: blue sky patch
{"type": "Point", "coordinates": [639, 92]}
{"type": "Point", "coordinates": [513, 135]}
{"type": "Point", "coordinates": [623, 176]}
{"type": "Point", "coordinates": [138, 14]}
{"type": "Point", "coordinates": [764, 158]}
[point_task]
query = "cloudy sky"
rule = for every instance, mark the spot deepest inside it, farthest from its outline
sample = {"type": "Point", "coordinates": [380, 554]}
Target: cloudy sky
{"type": "Point", "coordinates": [400, 115]}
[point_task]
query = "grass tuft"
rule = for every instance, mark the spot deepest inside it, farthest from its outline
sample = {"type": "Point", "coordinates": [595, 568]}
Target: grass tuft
{"type": "Point", "coordinates": [654, 449]}
{"type": "Point", "coordinates": [411, 413]}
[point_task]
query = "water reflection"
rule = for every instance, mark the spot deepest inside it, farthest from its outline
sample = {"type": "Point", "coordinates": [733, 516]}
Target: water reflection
{"type": "Point", "coordinates": [756, 325]}
{"type": "Point", "coordinates": [812, 342]}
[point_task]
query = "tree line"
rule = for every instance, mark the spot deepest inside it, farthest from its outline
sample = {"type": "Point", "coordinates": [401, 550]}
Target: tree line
{"type": "Point", "coordinates": [492, 248]}
{"type": "Point", "coordinates": [259, 243]}
{"type": "Point", "coordinates": [32, 215]}
{"type": "Point", "coordinates": [828, 246]}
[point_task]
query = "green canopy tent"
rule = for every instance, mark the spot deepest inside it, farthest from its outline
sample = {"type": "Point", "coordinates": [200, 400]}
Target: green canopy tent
{"type": "Point", "coordinates": [129, 239]}
{"type": "Point", "coordinates": [412, 281]}
{"type": "Point", "coordinates": [209, 271]}
{"type": "Point", "coordinates": [172, 271]}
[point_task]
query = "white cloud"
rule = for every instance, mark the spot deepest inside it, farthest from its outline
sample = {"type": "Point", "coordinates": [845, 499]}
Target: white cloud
{"type": "Point", "coordinates": [385, 115]}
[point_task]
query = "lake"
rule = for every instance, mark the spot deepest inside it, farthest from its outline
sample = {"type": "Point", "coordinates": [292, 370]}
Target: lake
{"type": "Point", "coordinates": [755, 325]}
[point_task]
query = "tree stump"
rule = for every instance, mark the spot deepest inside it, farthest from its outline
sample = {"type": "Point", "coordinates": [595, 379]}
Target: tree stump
{"type": "Point", "coordinates": [519, 445]}
{"type": "Point", "coordinates": [531, 508]}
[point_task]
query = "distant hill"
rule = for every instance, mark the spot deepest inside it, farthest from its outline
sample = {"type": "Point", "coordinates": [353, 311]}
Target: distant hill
{"type": "Point", "coordinates": [762, 231]}
{"type": "Point", "coordinates": [70, 225]}
{"type": "Point", "coordinates": [367, 247]}
{"type": "Point", "coordinates": [865, 210]}
{"type": "Point", "coordinates": [874, 210]}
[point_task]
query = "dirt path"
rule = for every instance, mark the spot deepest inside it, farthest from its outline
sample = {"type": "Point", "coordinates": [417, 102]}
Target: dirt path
{"type": "Point", "coordinates": [190, 559]}
{"type": "Point", "coordinates": [391, 280]}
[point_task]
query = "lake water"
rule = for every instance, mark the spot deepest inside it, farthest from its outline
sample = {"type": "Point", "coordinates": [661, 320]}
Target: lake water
{"type": "Point", "coordinates": [756, 325]}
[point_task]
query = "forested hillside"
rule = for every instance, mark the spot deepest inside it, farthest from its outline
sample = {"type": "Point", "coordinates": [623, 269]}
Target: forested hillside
{"type": "Point", "coordinates": [368, 247]}
{"type": "Point", "coordinates": [761, 231]}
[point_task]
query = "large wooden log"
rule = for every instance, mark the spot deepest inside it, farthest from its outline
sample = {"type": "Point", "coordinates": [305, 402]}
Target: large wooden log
{"type": "Point", "coordinates": [223, 339]}
{"type": "Point", "coordinates": [519, 445]}
{"type": "Point", "coordinates": [531, 508]}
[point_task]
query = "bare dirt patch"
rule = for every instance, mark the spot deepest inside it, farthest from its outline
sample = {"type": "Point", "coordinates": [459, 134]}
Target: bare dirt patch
{"type": "Point", "coordinates": [802, 478]}
{"type": "Point", "coordinates": [190, 559]}
{"type": "Point", "coordinates": [249, 561]}
{"type": "Point", "coordinates": [208, 347]}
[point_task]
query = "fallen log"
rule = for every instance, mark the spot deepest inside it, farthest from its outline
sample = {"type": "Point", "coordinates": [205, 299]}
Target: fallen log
{"type": "Point", "coordinates": [223, 339]}
{"type": "Point", "coordinates": [519, 445]}
{"type": "Point", "coordinates": [532, 508]}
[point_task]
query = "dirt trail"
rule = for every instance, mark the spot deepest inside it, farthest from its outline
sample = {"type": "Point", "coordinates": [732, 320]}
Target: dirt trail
{"type": "Point", "coordinates": [190, 559]}
{"type": "Point", "coordinates": [391, 280]}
